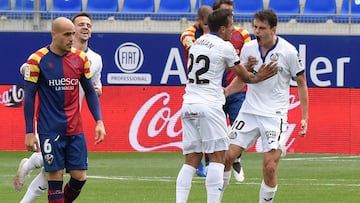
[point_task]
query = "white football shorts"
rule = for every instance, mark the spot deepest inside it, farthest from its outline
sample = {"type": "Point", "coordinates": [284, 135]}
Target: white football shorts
{"type": "Point", "coordinates": [204, 129]}
{"type": "Point", "coordinates": [247, 128]}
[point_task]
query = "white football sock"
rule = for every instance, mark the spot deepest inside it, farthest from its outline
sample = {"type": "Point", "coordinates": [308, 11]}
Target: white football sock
{"type": "Point", "coordinates": [214, 182]}
{"type": "Point", "coordinates": [36, 188]}
{"type": "Point", "coordinates": [227, 175]}
{"type": "Point", "coordinates": [183, 183]}
{"type": "Point", "coordinates": [266, 193]}
{"type": "Point", "coordinates": [35, 161]}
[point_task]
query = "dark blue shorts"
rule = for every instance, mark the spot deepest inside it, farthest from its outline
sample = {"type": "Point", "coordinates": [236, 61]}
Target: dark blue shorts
{"type": "Point", "coordinates": [59, 152]}
{"type": "Point", "coordinates": [233, 104]}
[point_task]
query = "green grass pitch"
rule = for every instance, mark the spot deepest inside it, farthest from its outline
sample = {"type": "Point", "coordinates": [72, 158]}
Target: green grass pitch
{"type": "Point", "coordinates": [150, 178]}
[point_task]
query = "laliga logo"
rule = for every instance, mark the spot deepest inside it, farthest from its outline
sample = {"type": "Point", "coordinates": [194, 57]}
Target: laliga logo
{"type": "Point", "coordinates": [129, 57]}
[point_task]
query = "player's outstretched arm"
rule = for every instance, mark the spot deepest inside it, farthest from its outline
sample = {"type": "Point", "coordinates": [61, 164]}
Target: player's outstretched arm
{"type": "Point", "coordinates": [235, 86]}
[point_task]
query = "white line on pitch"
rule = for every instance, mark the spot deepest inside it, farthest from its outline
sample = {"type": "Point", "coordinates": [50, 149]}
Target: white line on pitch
{"type": "Point", "coordinates": [254, 181]}
{"type": "Point", "coordinates": [322, 158]}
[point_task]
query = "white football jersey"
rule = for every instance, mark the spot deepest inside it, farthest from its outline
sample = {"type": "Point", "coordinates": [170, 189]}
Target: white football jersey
{"type": "Point", "coordinates": [208, 58]}
{"type": "Point", "coordinates": [96, 66]}
{"type": "Point", "coordinates": [271, 97]}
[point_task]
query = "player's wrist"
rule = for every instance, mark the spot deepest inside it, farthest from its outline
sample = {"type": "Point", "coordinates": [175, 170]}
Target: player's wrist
{"type": "Point", "coordinates": [258, 76]}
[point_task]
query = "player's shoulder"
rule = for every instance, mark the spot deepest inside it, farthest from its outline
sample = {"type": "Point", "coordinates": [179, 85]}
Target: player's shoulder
{"type": "Point", "coordinates": [92, 53]}
{"type": "Point", "coordinates": [95, 58]}
{"type": "Point", "coordinates": [39, 54]}
{"type": "Point", "coordinates": [240, 30]}
{"type": "Point", "coordinates": [189, 30]}
{"type": "Point", "coordinates": [42, 51]}
{"type": "Point", "coordinates": [78, 53]}
{"type": "Point", "coordinates": [211, 39]}
{"type": "Point", "coordinates": [251, 44]}
{"type": "Point", "coordinates": [287, 46]}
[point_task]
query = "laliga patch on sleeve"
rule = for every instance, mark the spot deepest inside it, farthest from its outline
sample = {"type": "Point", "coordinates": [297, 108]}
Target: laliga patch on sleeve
{"type": "Point", "coordinates": [26, 70]}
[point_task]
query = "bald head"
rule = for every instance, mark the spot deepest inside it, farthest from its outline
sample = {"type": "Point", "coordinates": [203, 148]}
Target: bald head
{"type": "Point", "coordinates": [61, 23]}
{"type": "Point", "coordinates": [204, 12]}
{"type": "Point", "coordinates": [62, 32]}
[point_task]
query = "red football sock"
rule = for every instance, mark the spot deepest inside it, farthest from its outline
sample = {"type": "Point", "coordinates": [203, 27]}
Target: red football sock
{"type": "Point", "coordinates": [55, 193]}
{"type": "Point", "coordinates": [72, 189]}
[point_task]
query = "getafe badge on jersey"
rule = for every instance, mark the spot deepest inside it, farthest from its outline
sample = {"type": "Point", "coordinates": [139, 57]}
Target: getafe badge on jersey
{"type": "Point", "coordinates": [274, 57]}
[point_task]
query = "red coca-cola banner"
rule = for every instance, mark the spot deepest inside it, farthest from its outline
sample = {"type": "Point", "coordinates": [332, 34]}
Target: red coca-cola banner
{"type": "Point", "coordinates": [147, 118]}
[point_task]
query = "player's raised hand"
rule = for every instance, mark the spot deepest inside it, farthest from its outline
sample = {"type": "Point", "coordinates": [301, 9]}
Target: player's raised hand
{"type": "Point", "coordinates": [252, 61]}
{"type": "Point", "coordinates": [267, 70]}
{"type": "Point", "coordinates": [99, 132]}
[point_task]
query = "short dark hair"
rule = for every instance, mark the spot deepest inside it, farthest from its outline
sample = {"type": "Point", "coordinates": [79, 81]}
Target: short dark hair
{"type": "Point", "coordinates": [218, 18]}
{"type": "Point", "coordinates": [267, 15]}
{"type": "Point", "coordinates": [81, 14]}
{"type": "Point", "coordinates": [218, 3]}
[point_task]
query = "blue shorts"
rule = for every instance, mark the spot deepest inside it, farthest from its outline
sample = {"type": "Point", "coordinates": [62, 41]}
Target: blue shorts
{"type": "Point", "coordinates": [60, 151]}
{"type": "Point", "coordinates": [233, 104]}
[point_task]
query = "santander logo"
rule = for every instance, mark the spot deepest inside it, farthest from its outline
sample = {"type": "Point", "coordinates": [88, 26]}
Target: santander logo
{"type": "Point", "coordinates": [163, 116]}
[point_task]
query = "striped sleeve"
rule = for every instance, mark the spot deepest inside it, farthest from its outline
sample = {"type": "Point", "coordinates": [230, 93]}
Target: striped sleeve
{"type": "Point", "coordinates": [32, 73]}
{"type": "Point", "coordinates": [188, 37]}
{"type": "Point", "coordinates": [85, 60]}
{"type": "Point", "coordinates": [245, 34]}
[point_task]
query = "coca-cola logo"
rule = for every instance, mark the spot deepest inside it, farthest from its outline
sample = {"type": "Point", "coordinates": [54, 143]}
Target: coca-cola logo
{"type": "Point", "coordinates": [153, 129]}
{"type": "Point", "coordinates": [12, 97]}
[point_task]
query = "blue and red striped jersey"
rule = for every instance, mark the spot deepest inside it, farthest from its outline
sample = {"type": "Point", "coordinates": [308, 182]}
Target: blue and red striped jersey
{"type": "Point", "coordinates": [56, 79]}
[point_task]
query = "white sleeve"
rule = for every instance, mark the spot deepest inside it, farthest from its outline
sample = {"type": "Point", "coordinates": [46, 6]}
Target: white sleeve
{"type": "Point", "coordinates": [243, 55]}
{"type": "Point", "coordinates": [97, 74]}
{"type": "Point", "coordinates": [230, 54]}
{"type": "Point", "coordinates": [296, 64]}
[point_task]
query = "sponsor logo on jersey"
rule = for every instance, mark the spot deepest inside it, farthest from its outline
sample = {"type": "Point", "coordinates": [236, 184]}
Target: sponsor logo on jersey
{"type": "Point", "coordinates": [64, 83]}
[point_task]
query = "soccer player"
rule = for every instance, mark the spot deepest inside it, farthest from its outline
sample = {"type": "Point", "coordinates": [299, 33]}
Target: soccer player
{"type": "Point", "coordinates": [203, 119]}
{"type": "Point", "coordinates": [233, 102]}
{"type": "Point", "coordinates": [264, 111]}
{"type": "Point", "coordinates": [83, 30]}
{"type": "Point", "coordinates": [55, 72]}
{"type": "Point", "coordinates": [187, 39]}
